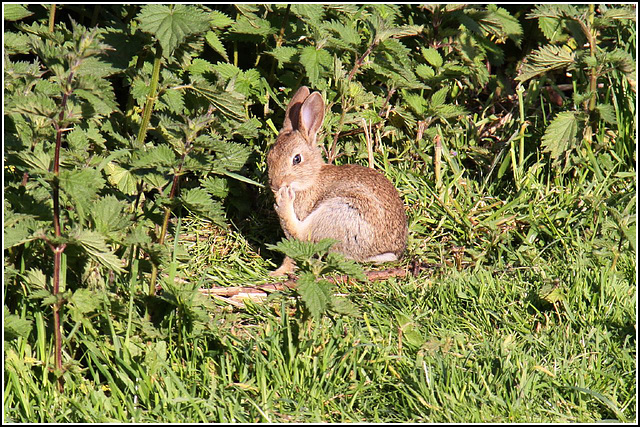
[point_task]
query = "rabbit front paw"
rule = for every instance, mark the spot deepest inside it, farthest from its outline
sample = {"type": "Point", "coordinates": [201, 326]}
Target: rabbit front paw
{"type": "Point", "coordinates": [285, 198]}
{"type": "Point", "coordinates": [284, 207]}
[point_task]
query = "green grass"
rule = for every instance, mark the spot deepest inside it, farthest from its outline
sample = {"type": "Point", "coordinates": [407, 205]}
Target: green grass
{"type": "Point", "coordinates": [484, 343]}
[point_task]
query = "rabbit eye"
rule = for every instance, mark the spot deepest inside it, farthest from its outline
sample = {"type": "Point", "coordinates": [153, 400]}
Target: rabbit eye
{"type": "Point", "coordinates": [297, 159]}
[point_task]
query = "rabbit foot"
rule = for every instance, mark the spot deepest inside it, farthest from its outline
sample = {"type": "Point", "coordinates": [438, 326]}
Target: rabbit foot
{"type": "Point", "coordinates": [288, 266]}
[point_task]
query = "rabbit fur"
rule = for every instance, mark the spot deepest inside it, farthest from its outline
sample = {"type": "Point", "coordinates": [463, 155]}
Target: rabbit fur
{"type": "Point", "coordinates": [353, 204]}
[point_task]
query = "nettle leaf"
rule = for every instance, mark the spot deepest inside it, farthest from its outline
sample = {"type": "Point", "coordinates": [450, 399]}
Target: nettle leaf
{"type": "Point", "coordinates": [174, 100]}
{"type": "Point", "coordinates": [37, 161]}
{"type": "Point", "coordinates": [200, 201]}
{"type": "Point", "coordinates": [561, 134]}
{"type": "Point", "coordinates": [228, 103]}
{"type": "Point", "coordinates": [122, 178]}
{"type": "Point", "coordinates": [18, 230]}
{"type": "Point", "coordinates": [86, 300]}
{"type": "Point", "coordinates": [171, 25]}
{"type": "Point", "coordinates": [347, 34]}
{"type": "Point", "coordinates": [15, 44]}
{"type": "Point", "coordinates": [15, 326]}
{"type": "Point", "coordinates": [316, 295]}
{"type": "Point", "coordinates": [216, 186]}
{"type": "Point", "coordinates": [214, 42]}
{"type": "Point", "coordinates": [161, 155]}
{"type": "Point", "coordinates": [200, 66]}
{"type": "Point", "coordinates": [283, 54]}
{"type": "Point", "coordinates": [218, 19]}
{"type": "Point", "coordinates": [627, 13]}
{"type": "Point", "coordinates": [230, 156]}
{"type": "Point", "coordinates": [433, 57]}
{"type": "Point", "coordinates": [311, 12]}
{"type": "Point", "coordinates": [507, 25]}
{"type": "Point", "coordinates": [607, 113]}
{"type": "Point", "coordinates": [96, 247]}
{"type": "Point", "coordinates": [425, 71]}
{"type": "Point", "coordinates": [545, 59]}
{"type": "Point", "coordinates": [110, 215]}
{"type": "Point", "coordinates": [35, 279]}
{"type": "Point", "coordinates": [439, 97]}
{"type": "Point", "coordinates": [256, 26]}
{"type": "Point", "coordinates": [81, 187]}
{"type": "Point", "coordinates": [552, 28]}
{"type": "Point", "coordinates": [315, 61]}
{"type": "Point", "coordinates": [337, 262]}
{"type": "Point", "coordinates": [15, 12]}
{"type": "Point", "coordinates": [416, 102]}
{"type": "Point", "coordinates": [302, 250]}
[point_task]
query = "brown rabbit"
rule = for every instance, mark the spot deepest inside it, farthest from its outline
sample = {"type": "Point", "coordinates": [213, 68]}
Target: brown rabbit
{"type": "Point", "coordinates": [353, 204]}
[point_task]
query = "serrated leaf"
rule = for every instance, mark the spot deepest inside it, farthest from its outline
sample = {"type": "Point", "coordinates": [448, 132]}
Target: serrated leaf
{"type": "Point", "coordinates": [230, 156]}
{"type": "Point", "coordinates": [283, 54]}
{"type": "Point", "coordinates": [95, 246]}
{"type": "Point", "coordinates": [216, 186]}
{"type": "Point", "coordinates": [311, 12]}
{"type": "Point", "coordinates": [122, 178]}
{"type": "Point", "coordinates": [509, 26]}
{"type": "Point", "coordinates": [16, 235]}
{"type": "Point", "coordinates": [38, 161]}
{"type": "Point", "coordinates": [314, 61]}
{"type": "Point", "coordinates": [81, 187]}
{"type": "Point", "coordinates": [214, 42]}
{"type": "Point", "coordinates": [606, 113]}
{"type": "Point", "coordinates": [200, 66]}
{"type": "Point", "coordinates": [552, 28]}
{"type": "Point", "coordinates": [171, 25]}
{"type": "Point", "coordinates": [86, 300]}
{"type": "Point", "coordinates": [174, 99]}
{"type": "Point", "coordinates": [15, 12]}
{"type": "Point", "coordinates": [316, 295]}
{"type": "Point", "coordinates": [218, 19]}
{"type": "Point", "coordinates": [416, 102]}
{"type": "Point", "coordinates": [336, 261]}
{"type": "Point", "coordinates": [109, 215]}
{"type": "Point", "coordinates": [34, 278]}
{"type": "Point", "coordinates": [15, 326]}
{"type": "Point", "coordinates": [346, 33]}
{"type": "Point", "coordinates": [432, 56]}
{"type": "Point", "coordinates": [439, 97]}
{"type": "Point", "coordinates": [199, 201]}
{"type": "Point", "coordinates": [345, 307]}
{"type": "Point", "coordinates": [561, 134]}
{"type": "Point", "coordinates": [425, 71]}
{"type": "Point", "coordinates": [545, 59]}
{"type": "Point", "coordinates": [302, 250]}
{"type": "Point", "coordinates": [255, 26]}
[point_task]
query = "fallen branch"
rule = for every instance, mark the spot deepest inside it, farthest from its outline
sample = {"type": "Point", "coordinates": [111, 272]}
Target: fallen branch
{"type": "Point", "coordinates": [235, 293]}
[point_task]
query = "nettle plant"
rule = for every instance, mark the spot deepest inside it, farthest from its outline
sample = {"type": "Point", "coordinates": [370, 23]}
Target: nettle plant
{"type": "Point", "coordinates": [90, 179]}
{"type": "Point", "coordinates": [595, 46]}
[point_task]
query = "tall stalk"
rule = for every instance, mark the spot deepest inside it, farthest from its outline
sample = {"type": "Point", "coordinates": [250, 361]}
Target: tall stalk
{"type": "Point", "coordinates": [151, 97]}
{"type": "Point", "coordinates": [58, 247]}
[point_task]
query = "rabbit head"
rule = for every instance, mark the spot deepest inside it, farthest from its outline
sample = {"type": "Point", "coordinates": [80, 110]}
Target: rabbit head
{"type": "Point", "coordinates": [295, 159]}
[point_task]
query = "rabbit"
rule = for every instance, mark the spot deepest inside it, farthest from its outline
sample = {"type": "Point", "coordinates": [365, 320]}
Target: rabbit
{"type": "Point", "coordinates": [353, 204]}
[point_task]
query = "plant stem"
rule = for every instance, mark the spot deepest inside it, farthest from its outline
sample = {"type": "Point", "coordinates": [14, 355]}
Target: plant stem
{"type": "Point", "coordinates": [151, 98]}
{"type": "Point", "coordinates": [345, 108]}
{"type": "Point", "coordinates": [165, 221]}
{"type": "Point", "coordinates": [52, 18]}
{"type": "Point", "coordinates": [57, 247]}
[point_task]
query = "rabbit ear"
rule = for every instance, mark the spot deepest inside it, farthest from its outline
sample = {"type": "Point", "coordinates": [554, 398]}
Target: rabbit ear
{"type": "Point", "coordinates": [311, 115]}
{"type": "Point", "coordinates": [291, 116]}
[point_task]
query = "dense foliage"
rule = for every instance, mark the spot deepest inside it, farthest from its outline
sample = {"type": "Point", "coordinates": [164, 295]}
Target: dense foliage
{"type": "Point", "coordinates": [510, 132]}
